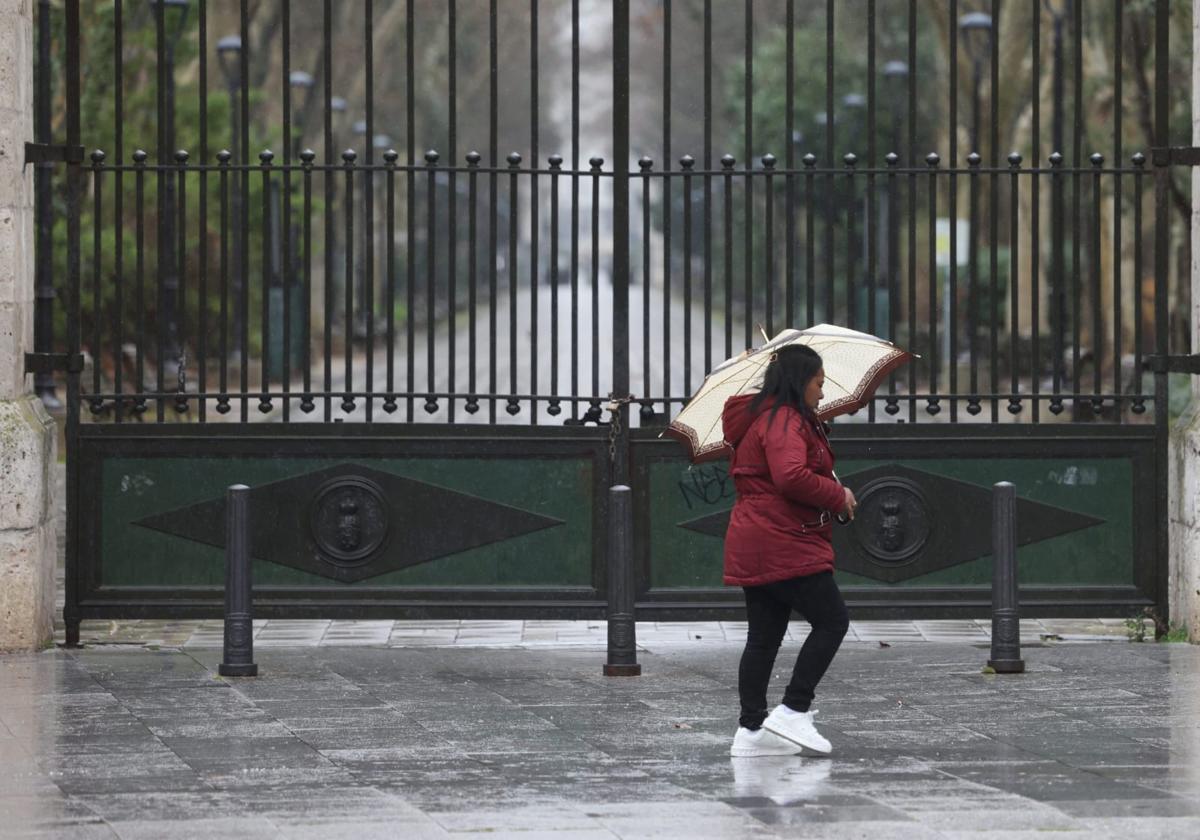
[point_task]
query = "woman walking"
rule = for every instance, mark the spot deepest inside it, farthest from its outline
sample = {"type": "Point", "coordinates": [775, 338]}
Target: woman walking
{"type": "Point", "coordinates": [778, 548]}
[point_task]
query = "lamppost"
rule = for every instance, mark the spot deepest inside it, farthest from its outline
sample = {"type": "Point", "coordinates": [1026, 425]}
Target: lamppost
{"type": "Point", "coordinates": [977, 38]}
{"type": "Point", "coordinates": [171, 18]}
{"type": "Point", "coordinates": [284, 290]}
{"type": "Point", "coordinates": [229, 56]}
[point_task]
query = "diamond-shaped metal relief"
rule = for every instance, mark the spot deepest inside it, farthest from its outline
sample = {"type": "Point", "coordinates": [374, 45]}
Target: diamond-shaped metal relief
{"type": "Point", "coordinates": [350, 523]}
{"type": "Point", "coordinates": [911, 523]}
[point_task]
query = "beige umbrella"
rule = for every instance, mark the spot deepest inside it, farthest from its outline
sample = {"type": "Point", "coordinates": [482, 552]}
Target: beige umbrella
{"type": "Point", "coordinates": [855, 363]}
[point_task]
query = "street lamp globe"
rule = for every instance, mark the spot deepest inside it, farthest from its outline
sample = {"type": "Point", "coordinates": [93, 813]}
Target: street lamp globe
{"type": "Point", "coordinates": [895, 70]}
{"type": "Point", "coordinates": [229, 52]}
{"type": "Point", "coordinates": [977, 33]}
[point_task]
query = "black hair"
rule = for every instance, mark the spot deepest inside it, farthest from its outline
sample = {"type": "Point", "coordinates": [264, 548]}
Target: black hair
{"type": "Point", "coordinates": [786, 380]}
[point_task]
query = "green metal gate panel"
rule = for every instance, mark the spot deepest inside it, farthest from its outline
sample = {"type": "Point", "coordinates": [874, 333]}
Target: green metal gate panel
{"type": "Point", "coordinates": [1083, 527]}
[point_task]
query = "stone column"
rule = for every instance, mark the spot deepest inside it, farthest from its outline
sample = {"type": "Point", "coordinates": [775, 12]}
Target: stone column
{"type": "Point", "coordinates": [1184, 580]}
{"type": "Point", "coordinates": [27, 434]}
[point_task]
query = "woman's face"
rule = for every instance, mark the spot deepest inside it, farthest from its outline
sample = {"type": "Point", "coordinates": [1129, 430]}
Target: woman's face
{"type": "Point", "coordinates": [813, 393]}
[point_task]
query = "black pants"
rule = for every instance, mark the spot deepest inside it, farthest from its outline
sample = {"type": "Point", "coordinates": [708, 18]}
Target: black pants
{"type": "Point", "coordinates": [768, 608]}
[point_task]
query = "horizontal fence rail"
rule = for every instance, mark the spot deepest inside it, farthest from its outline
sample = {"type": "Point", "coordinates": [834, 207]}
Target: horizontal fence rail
{"type": "Point", "coordinates": [255, 250]}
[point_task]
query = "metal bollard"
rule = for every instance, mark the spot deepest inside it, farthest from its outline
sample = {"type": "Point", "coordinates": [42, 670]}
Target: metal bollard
{"type": "Point", "coordinates": [1006, 611]}
{"type": "Point", "coordinates": [238, 658]}
{"type": "Point", "coordinates": [622, 632]}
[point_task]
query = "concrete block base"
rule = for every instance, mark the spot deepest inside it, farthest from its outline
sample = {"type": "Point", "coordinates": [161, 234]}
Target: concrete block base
{"type": "Point", "coordinates": [28, 547]}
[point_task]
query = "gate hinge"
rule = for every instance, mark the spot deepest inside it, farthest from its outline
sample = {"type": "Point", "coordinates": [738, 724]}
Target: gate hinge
{"type": "Point", "coordinates": [51, 362]}
{"type": "Point", "coordinates": [1172, 364]}
{"type": "Point", "coordinates": [52, 153]}
{"type": "Point", "coordinates": [1175, 155]}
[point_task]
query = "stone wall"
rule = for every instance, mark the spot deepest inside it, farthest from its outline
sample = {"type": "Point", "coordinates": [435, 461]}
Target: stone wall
{"type": "Point", "coordinates": [1184, 583]}
{"type": "Point", "coordinates": [27, 434]}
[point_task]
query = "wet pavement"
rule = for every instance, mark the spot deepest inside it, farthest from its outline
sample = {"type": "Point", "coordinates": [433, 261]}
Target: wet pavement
{"type": "Point", "coordinates": [425, 740]}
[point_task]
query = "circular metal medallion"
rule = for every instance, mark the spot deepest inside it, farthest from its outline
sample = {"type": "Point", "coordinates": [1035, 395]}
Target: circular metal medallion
{"type": "Point", "coordinates": [893, 521]}
{"type": "Point", "coordinates": [349, 520]}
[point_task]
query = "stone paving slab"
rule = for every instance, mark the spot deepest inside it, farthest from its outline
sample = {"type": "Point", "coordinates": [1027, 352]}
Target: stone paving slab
{"type": "Point", "coordinates": [530, 740]}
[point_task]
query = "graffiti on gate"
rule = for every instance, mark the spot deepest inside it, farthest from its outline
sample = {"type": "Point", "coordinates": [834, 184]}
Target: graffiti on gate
{"type": "Point", "coordinates": [706, 486]}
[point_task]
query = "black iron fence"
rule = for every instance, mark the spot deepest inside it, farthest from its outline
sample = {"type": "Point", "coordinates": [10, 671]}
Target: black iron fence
{"type": "Point", "coordinates": [974, 186]}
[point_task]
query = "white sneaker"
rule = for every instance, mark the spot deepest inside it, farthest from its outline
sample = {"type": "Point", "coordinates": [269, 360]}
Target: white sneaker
{"type": "Point", "coordinates": [798, 728]}
{"type": "Point", "coordinates": [749, 743]}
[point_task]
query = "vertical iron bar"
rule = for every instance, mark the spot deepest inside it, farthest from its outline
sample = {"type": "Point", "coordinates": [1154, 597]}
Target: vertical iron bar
{"type": "Point", "coordinates": [619, 445]}
{"type": "Point", "coordinates": [748, 212]}
{"type": "Point", "coordinates": [1118, 183]}
{"type": "Point", "coordinates": [973, 162]}
{"type": "Point", "coordinates": [830, 181]}
{"type": "Point", "coordinates": [202, 309]}
{"type": "Point", "coordinates": [348, 158]}
{"type": "Point", "coordinates": [534, 286]}
{"type": "Point", "coordinates": [708, 188]}
{"type": "Point", "coordinates": [242, 159]}
{"type": "Point", "coordinates": [1014, 264]}
{"type": "Point", "coordinates": [452, 215]}
{"type": "Point", "coordinates": [849, 160]}
{"type": "Point", "coordinates": [162, 314]}
{"type": "Point", "coordinates": [390, 157]}
{"type": "Point", "coordinates": [1162, 244]}
{"type": "Point", "coordinates": [911, 161]}
{"type": "Point", "coordinates": [97, 302]}
{"type": "Point", "coordinates": [645, 164]}
{"type": "Point", "coordinates": [933, 407]}
{"type": "Point", "coordinates": [306, 402]}
{"type": "Point", "coordinates": [181, 403]}
{"type": "Point", "coordinates": [367, 301]}
{"type": "Point", "coordinates": [768, 162]}
{"type": "Point", "coordinates": [596, 163]}
{"type": "Point", "coordinates": [1058, 288]}
{"type": "Point", "coordinates": [553, 409]}
{"type": "Point", "coordinates": [264, 404]}
{"type": "Point", "coordinates": [1097, 161]}
{"type": "Point", "coordinates": [118, 188]}
{"type": "Point", "coordinates": [870, 222]}
{"type": "Point", "coordinates": [1139, 163]}
{"type": "Point", "coordinates": [574, 268]}
{"type": "Point", "coordinates": [514, 167]}
{"type": "Point", "coordinates": [139, 248]}
{"type": "Point", "coordinates": [994, 211]}
{"type": "Point", "coordinates": [1035, 266]}
{"type": "Point", "coordinates": [789, 141]}
{"type": "Point", "coordinates": [952, 212]}
{"type": "Point", "coordinates": [1076, 198]}
{"type": "Point", "coordinates": [810, 240]}
{"type": "Point", "coordinates": [494, 163]}
{"type": "Point", "coordinates": [473, 159]}
{"type": "Point", "coordinates": [410, 249]}
{"type": "Point", "coordinates": [687, 163]}
{"type": "Point", "coordinates": [74, 205]}
{"type": "Point", "coordinates": [286, 280]}
{"type": "Point", "coordinates": [223, 158]}
{"type": "Point", "coordinates": [328, 314]}
{"type": "Point", "coordinates": [667, 209]}
{"type": "Point", "coordinates": [431, 160]}
{"type": "Point", "coordinates": [727, 163]}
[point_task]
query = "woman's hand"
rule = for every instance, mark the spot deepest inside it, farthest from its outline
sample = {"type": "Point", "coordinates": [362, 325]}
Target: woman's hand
{"type": "Point", "coordinates": [851, 502]}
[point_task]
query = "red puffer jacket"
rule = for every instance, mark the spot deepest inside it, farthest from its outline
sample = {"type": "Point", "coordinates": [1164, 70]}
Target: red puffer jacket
{"type": "Point", "coordinates": [782, 470]}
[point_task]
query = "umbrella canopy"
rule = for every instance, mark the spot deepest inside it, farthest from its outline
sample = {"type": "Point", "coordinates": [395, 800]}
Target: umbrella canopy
{"type": "Point", "coordinates": [855, 363]}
